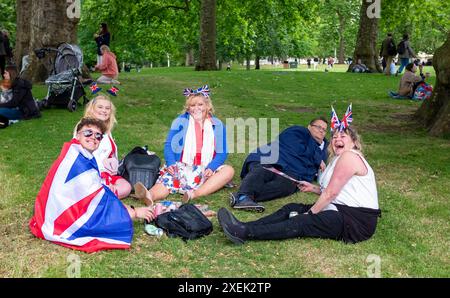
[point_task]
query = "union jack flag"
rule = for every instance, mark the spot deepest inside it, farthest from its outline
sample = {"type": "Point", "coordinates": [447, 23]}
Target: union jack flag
{"type": "Point", "coordinates": [348, 118]}
{"type": "Point", "coordinates": [94, 88]}
{"type": "Point", "coordinates": [334, 122]}
{"type": "Point", "coordinates": [113, 91]}
{"type": "Point", "coordinates": [74, 209]}
{"type": "Point", "coordinates": [203, 90]}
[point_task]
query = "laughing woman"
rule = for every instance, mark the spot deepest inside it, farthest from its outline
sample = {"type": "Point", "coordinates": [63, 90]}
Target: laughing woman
{"type": "Point", "coordinates": [347, 208]}
{"type": "Point", "coordinates": [195, 151]}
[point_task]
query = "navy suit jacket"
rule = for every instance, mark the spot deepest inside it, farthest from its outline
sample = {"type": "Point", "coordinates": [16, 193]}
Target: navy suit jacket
{"type": "Point", "coordinates": [299, 155]}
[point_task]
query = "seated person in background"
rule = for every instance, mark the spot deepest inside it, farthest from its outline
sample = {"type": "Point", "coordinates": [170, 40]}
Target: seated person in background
{"type": "Point", "coordinates": [298, 152]}
{"type": "Point", "coordinates": [195, 152]}
{"type": "Point", "coordinates": [74, 208]}
{"type": "Point", "coordinates": [360, 67]}
{"type": "Point", "coordinates": [6, 92]}
{"type": "Point", "coordinates": [22, 104]}
{"type": "Point", "coordinates": [409, 81]}
{"type": "Point", "coordinates": [108, 67]}
{"type": "Point", "coordinates": [347, 208]}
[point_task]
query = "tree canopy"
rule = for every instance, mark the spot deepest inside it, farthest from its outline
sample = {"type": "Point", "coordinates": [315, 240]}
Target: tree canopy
{"type": "Point", "coordinates": [153, 30]}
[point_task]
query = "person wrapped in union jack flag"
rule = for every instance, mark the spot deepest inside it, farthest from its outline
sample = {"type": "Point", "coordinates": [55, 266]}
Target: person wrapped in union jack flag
{"type": "Point", "coordinates": [74, 208]}
{"type": "Point", "coordinates": [347, 208]}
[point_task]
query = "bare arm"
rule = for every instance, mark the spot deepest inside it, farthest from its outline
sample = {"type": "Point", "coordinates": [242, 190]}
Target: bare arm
{"type": "Point", "coordinates": [349, 164]}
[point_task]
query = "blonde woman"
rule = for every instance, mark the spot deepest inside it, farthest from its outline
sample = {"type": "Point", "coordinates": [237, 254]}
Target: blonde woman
{"type": "Point", "coordinates": [195, 151]}
{"type": "Point", "coordinates": [102, 108]}
{"type": "Point", "coordinates": [108, 67]}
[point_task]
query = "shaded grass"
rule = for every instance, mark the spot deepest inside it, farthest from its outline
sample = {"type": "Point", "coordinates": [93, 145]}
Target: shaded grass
{"type": "Point", "coordinates": [411, 168]}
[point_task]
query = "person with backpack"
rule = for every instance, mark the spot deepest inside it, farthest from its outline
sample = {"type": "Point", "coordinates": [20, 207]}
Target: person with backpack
{"type": "Point", "coordinates": [102, 108]}
{"type": "Point", "coordinates": [22, 104]}
{"type": "Point", "coordinates": [405, 53]}
{"type": "Point", "coordinates": [409, 82]}
{"type": "Point", "coordinates": [195, 152]}
{"type": "Point", "coordinates": [388, 51]}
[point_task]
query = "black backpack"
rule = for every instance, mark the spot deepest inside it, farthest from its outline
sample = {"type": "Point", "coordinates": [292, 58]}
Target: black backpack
{"type": "Point", "coordinates": [140, 166]}
{"type": "Point", "coordinates": [401, 47]}
{"type": "Point", "coordinates": [187, 222]}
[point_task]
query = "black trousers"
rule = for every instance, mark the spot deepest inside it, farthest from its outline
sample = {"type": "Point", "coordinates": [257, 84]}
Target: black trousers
{"type": "Point", "coordinates": [263, 185]}
{"type": "Point", "coordinates": [278, 225]}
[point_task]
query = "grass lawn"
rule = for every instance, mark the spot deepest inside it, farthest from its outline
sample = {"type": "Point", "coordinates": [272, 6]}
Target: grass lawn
{"type": "Point", "coordinates": [412, 171]}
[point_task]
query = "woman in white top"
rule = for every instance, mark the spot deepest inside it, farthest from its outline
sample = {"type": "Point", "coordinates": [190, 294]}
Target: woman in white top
{"type": "Point", "coordinates": [347, 208]}
{"type": "Point", "coordinates": [102, 108]}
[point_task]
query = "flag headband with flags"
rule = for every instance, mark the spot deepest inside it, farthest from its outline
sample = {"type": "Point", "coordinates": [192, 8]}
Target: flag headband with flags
{"type": "Point", "coordinates": [74, 209]}
{"type": "Point", "coordinates": [113, 91]}
{"type": "Point", "coordinates": [94, 88]}
{"type": "Point", "coordinates": [202, 90]}
{"type": "Point", "coordinates": [338, 125]}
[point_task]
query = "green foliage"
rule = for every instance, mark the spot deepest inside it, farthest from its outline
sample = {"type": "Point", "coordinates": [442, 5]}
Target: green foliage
{"type": "Point", "coordinates": [8, 18]}
{"type": "Point", "coordinates": [426, 22]}
{"type": "Point", "coordinates": [144, 31]}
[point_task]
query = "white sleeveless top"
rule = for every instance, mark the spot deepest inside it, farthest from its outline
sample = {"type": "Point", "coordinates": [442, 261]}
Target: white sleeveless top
{"type": "Point", "coordinates": [359, 191]}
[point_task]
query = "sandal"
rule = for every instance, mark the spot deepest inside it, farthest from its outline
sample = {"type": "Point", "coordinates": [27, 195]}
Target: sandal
{"type": "Point", "coordinates": [187, 196]}
{"type": "Point", "coordinates": [143, 194]}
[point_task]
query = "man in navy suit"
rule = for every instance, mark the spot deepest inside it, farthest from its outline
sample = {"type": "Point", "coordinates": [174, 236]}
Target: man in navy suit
{"type": "Point", "coordinates": [300, 152]}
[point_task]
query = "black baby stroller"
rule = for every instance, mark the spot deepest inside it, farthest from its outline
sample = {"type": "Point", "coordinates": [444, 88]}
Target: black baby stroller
{"type": "Point", "coordinates": [64, 85]}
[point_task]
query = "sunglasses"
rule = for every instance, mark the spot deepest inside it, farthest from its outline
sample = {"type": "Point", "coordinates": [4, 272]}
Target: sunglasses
{"type": "Point", "coordinates": [88, 133]}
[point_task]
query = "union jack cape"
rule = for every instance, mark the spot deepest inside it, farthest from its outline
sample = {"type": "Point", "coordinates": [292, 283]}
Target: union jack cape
{"type": "Point", "coordinates": [74, 209]}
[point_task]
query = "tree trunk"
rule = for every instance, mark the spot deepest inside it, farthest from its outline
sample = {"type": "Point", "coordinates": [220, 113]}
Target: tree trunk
{"type": "Point", "coordinates": [23, 20]}
{"type": "Point", "coordinates": [365, 48]}
{"type": "Point", "coordinates": [257, 58]}
{"type": "Point", "coordinates": [341, 56]}
{"type": "Point", "coordinates": [435, 113]}
{"type": "Point", "coordinates": [48, 26]}
{"type": "Point", "coordinates": [207, 58]}
{"type": "Point", "coordinates": [247, 63]}
{"type": "Point", "coordinates": [190, 57]}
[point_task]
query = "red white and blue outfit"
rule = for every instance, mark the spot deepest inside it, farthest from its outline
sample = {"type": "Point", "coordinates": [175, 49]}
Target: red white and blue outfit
{"type": "Point", "coordinates": [76, 210]}
{"type": "Point", "coordinates": [193, 150]}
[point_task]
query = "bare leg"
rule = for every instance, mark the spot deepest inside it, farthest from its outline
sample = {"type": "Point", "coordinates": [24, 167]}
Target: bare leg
{"type": "Point", "coordinates": [123, 188]}
{"type": "Point", "coordinates": [213, 184]}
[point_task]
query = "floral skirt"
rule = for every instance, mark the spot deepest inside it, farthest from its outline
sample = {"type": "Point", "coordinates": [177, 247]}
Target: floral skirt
{"type": "Point", "coordinates": [185, 178]}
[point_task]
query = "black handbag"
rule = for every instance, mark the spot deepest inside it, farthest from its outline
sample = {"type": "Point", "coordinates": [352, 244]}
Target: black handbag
{"type": "Point", "coordinates": [187, 222]}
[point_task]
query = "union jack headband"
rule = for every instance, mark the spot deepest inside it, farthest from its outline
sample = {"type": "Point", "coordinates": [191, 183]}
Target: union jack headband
{"type": "Point", "coordinates": [203, 90]}
{"type": "Point", "coordinates": [336, 124]}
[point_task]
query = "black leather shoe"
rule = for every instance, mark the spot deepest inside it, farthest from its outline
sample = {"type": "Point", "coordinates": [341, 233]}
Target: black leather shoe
{"type": "Point", "coordinates": [232, 228]}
